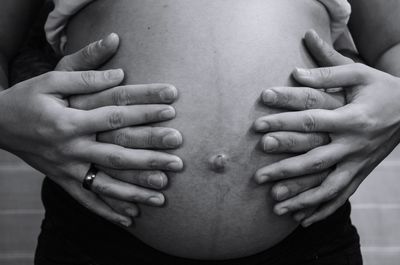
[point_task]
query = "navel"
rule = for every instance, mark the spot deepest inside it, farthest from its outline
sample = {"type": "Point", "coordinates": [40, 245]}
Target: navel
{"type": "Point", "coordinates": [219, 162]}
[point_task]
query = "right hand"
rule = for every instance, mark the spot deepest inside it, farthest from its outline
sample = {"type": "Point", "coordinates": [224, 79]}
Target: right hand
{"type": "Point", "coordinates": [38, 125]}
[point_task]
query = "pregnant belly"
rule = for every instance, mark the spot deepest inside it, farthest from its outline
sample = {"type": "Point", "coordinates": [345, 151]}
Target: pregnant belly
{"type": "Point", "coordinates": [220, 54]}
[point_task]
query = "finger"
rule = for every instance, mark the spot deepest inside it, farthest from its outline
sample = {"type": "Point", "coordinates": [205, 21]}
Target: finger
{"type": "Point", "coordinates": [329, 208]}
{"type": "Point", "coordinates": [333, 185]}
{"type": "Point", "coordinates": [106, 186]}
{"type": "Point", "coordinates": [303, 214]}
{"type": "Point", "coordinates": [316, 160]}
{"type": "Point", "coordinates": [127, 95]}
{"type": "Point", "coordinates": [333, 77]}
{"type": "Point", "coordinates": [91, 201]}
{"type": "Point", "coordinates": [92, 56]}
{"type": "Point", "coordinates": [122, 207]}
{"type": "Point", "coordinates": [116, 157]}
{"type": "Point", "coordinates": [115, 117]}
{"type": "Point", "coordinates": [286, 189]}
{"type": "Point", "coordinates": [301, 98]}
{"type": "Point", "coordinates": [69, 83]}
{"type": "Point", "coordinates": [292, 142]}
{"type": "Point", "coordinates": [143, 137]}
{"type": "Point", "coordinates": [322, 52]}
{"type": "Point", "coordinates": [304, 121]}
{"type": "Point", "coordinates": [152, 179]}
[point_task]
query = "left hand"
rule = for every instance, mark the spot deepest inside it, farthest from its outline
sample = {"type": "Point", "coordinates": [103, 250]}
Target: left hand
{"type": "Point", "coordinates": [362, 133]}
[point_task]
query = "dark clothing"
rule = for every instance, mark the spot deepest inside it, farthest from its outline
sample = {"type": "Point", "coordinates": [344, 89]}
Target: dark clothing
{"type": "Point", "coordinates": [73, 235]}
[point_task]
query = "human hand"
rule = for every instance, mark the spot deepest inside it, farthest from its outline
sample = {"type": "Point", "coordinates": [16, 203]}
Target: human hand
{"type": "Point", "coordinates": [38, 126]}
{"type": "Point", "coordinates": [137, 137]}
{"type": "Point", "coordinates": [362, 134]}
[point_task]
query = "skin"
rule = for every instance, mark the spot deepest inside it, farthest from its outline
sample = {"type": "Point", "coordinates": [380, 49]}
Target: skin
{"type": "Point", "coordinates": [359, 146]}
{"type": "Point", "coordinates": [59, 140]}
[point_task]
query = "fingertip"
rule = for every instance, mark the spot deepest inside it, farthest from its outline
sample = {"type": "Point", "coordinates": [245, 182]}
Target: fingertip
{"type": "Point", "coordinates": [111, 41]}
{"type": "Point", "coordinates": [260, 178]}
{"type": "Point", "coordinates": [260, 125]}
{"type": "Point", "coordinates": [158, 200]}
{"type": "Point", "coordinates": [270, 144]}
{"type": "Point", "coordinates": [280, 192]}
{"type": "Point", "coordinates": [173, 139]}
{"type": "Point", "coordinates": [169, 94]}
{"type": "Point", "coordinates": [132, 212]}
{"type": "Point", "coordinates": [176, 165]}
{"type": "Point", "coordinates": [306, 223]}
{"type": "Point", "coordinates": [269, 97]}
{"type": "Point", "coordinates": [125, 221]}
{"type": "Point", "coordinates": [115, 75]}
{"type": "Point", "coordinates": [280, 210]}
{"type": "Point", "coordinates": [311, 34]}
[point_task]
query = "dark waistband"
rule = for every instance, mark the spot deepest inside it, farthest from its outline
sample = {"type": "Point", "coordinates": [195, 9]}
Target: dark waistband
{"type": "Point", "coordinates": [103, 240]}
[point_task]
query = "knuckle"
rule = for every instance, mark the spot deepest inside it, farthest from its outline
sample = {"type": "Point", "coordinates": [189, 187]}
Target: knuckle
{"type": "Point", "coordinates": [121, 138]}
{"type": "Point", "coordinates": [116, 119]}
{"type": "Point", "coordinates": [325, 73]}
{"type": "Point", "coordinates": [311, 99]}
{"type": "Point", "coordinates": [88, 78]}
{"type": "Point", "coordinates": [150, 138]}
{"type": "Point", "coordinates": [50, 77]}
{"type": "Point", "coordinates": [332, 192]}
{"type": "Point", "coordinates": [364, 122]}
{"type": "Point", "coordinates": [361, 71]}
{"type": "Point", "coordinates": [318, 164]}
{"type": "Point", "coordinates": [291, 142]}
{"type": "Point", "coordinates": [89, 52]}
{"type": "Point", "coordinates": [119, 97]}
{"type": "Point", "coordinates": [309, 123]}
{"type": "Point", "coordinates": [317, 139]}
{"type": "Point", "coordinates": [115, 160]}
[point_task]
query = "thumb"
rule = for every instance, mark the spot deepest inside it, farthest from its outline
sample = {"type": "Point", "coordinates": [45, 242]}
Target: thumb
{"type": "Point", "coordinates": [322, 52]}
{"type": "Point", "coordinates": [92, 56]}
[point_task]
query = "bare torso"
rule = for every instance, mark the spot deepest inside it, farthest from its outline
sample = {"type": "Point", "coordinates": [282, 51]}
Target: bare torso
{"type": "Point", "coordinates": [220, 54]}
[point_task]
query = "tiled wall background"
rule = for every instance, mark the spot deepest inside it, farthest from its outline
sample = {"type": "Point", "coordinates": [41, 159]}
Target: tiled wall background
{"type": "Point", "coordinates": [376, 212]}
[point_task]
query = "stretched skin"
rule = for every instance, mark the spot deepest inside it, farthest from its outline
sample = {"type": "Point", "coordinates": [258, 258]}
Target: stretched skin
{"type": "Point", "coordinates": [220, 54]}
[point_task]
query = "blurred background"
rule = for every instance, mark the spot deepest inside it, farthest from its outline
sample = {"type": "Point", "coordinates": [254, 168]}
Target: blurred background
{"type": "Point", "coordinates": [376, 212]}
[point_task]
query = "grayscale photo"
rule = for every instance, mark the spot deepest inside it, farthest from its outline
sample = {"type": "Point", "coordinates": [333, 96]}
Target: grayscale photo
{"type": "Point", "coordinates": [199, 132]}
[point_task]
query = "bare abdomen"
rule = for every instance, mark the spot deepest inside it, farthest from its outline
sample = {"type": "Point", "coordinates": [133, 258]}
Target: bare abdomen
{"type": "Point", "coordinates": [220, 54]}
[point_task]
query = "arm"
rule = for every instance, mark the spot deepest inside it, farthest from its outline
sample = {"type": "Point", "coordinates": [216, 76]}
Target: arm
{"type": "Point", "coordinates": [374, 25]}
{"type": "Point", "coordinates": [14, 24]}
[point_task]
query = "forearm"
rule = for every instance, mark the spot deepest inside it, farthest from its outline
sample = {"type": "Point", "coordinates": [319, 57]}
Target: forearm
{"type": "Point", "coordinates": [389, 61]}
{"type": "Point", "coordinates": [374, 27]}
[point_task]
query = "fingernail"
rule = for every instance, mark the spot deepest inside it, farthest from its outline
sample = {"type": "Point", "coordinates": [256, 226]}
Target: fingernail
{"type": "Point", "coordinates": [155, 200]}
{"type": "Point", "coordinates": [269, 97]}
{"type": "Point", "coordinates": [270, 144]}
{"type": "Point", "coordinates": [172, 139]}
{"type": "Point", "coordinates": [175, 165]}
{"type": "Point", "coordinates": [314, 34]}
{"type": "Point", "coordinates": [299, 216]}
{"type": "Point", "coordinates": [109, 40]}
{"type": "Point", "coordinates": [126, 222]}
{"type": "Point", "coordinates": [282, 192]}
{"type": "Point", "coordinates": [156, 181]}
{"type": "Point", "coordinates": [261, 126]}
{"type": "Point", "coordinates": [305, 224]}
{"type": "Point", "coordinates": [131, 212]}
{"type": "Point", "coordinates": [261, 179]}
{"type": "Point", "coordinates": [168, 94]}
{"type": "Point", "coordinates": [300, 72]}
{"type": "Point", "coordinates": [281, 211]}
{"type": "Point", "coordinates": [167, 113]}
{"type": "Point", "coordinates": [115, 74]}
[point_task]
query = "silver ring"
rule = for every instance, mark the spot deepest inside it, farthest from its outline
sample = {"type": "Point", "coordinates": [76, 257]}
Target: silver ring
{"type": "Point", "coordinates": [89, 178]}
